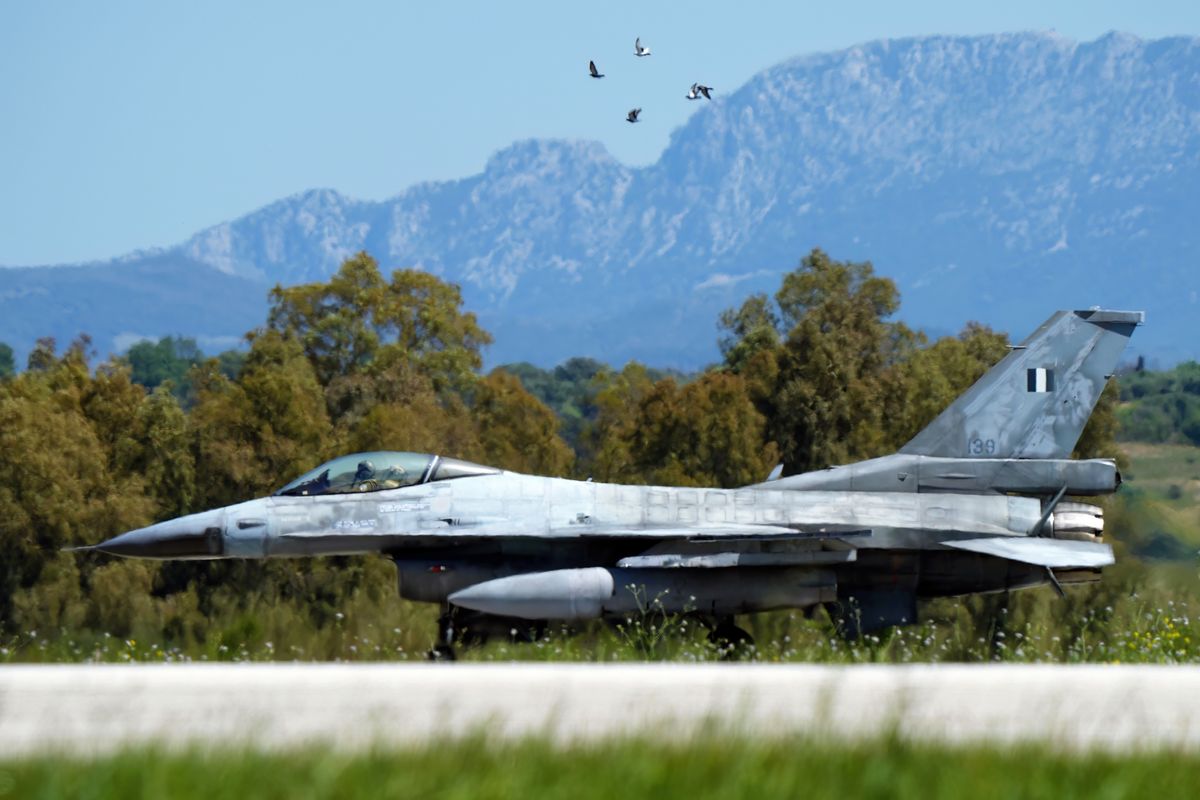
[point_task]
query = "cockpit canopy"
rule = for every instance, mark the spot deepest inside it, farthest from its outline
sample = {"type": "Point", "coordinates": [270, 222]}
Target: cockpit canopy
{"type": "Point", "coordinates": [376, 471]}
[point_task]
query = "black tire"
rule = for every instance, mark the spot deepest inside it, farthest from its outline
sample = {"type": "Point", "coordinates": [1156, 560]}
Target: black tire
{"type": "Point", "coordinates": [734, 643]}
{"type": "Point", "coordinates": [442, 652]}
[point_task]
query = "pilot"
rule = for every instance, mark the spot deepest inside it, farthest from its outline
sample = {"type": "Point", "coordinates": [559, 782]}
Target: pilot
{"type": "Point", "coordinates": [364, 477]}
{"type": "Point", "coordinates": [393, 479]}
{"type": "Point", "coordinates": [367, 479]}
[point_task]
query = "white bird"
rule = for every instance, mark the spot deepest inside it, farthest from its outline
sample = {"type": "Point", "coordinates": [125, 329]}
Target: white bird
{"type": "Point", "coordinates": [638, 50]}
{"type": "Point", "coordinates": [595, 73]}
{"type": "Point", "coordinates": [697, 91]}
{"type": "Point", "coordinates": [632, 116]}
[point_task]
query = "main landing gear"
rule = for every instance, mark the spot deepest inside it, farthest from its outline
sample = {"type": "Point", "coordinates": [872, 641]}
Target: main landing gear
{"type": "Point", "coordinates": [466, 628]}
{"type": "Point", "coordinates": [443, 649]}
{"type": "Point", "coordinates": [733, 643]}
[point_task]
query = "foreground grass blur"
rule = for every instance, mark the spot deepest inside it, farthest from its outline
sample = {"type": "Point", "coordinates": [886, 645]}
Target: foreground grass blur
{"type": "Point", "coordinates": [707, 767]}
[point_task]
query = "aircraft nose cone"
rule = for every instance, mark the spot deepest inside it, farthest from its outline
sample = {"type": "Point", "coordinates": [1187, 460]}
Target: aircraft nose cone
{"type": "Point", "coordinates": [194, 536]}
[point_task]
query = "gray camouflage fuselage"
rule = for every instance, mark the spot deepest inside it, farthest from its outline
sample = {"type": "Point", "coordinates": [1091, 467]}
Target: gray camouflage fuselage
{"type": "Point", "coordinates": [451, 535]}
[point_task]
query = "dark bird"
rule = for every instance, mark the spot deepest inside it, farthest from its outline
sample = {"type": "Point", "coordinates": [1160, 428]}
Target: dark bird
{"type": "Point", "coordinates": [632, 116]}
{"type": "Point", "coordinates": [697, 91]}
{"type": "Point", "coordinates": [595, 73]}
{"type": "Point", "coordinates": [638, 50]}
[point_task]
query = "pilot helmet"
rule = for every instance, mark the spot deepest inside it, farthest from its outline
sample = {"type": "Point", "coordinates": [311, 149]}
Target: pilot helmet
{"type": "Point", "coordinates": [365, 470]}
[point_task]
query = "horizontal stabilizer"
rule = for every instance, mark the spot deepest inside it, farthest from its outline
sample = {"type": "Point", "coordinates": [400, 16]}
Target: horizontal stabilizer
{"type": "Point", "coordinates": [1053, 553]}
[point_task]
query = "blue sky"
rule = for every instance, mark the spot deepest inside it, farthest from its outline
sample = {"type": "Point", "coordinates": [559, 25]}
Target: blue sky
{"type": "Point", "coordinates": [134, 124]}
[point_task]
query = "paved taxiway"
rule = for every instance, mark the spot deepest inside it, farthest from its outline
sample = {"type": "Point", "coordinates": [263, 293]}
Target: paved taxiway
{"type": "Point", "coordinates": [98, 708]}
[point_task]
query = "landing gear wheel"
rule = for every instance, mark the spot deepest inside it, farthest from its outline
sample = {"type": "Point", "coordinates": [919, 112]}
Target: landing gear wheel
{"type": "Point", "coordinates": [442, 652]}
{"type": "Point", "coordinates": [444, 649]}
{"type": "Point", "coordinates": [733, 643]}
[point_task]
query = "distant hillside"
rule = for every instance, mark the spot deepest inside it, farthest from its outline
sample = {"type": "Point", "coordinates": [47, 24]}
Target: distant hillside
{"type": "Point", "coordinates": [994, 177]}
{"type": "Point", "coordinates": [1161, 407]}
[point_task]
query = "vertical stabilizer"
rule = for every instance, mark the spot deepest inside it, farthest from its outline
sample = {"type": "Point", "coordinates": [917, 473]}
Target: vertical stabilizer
{"type": "Point", "coordinates": [1035, 402]}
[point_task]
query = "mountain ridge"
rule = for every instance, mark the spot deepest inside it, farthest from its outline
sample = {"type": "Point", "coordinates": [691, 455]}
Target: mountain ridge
{"type": "Point", "coordinates": [991, 176]}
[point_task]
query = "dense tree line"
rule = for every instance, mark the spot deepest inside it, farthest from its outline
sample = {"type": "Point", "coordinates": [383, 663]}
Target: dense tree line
{"type": "Point", "coordinates": [1162, 406]}
{"type": "Point", "coordinates": [818, 374]}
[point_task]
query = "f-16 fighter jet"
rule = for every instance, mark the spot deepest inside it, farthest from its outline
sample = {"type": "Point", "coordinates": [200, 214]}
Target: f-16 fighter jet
{"type": "Point", "coordinates": [974, 503]}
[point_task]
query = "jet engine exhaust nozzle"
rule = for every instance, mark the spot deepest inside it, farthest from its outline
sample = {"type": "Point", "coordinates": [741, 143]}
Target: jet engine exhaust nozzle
{"type": "Point", "coordinates": [1081, 521]}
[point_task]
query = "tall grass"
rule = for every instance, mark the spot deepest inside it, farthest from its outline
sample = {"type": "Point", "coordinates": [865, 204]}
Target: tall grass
{"type": "Point", "coordinates": [716, 766]}
{"type": "Point", "coordinates": [1138, 614]}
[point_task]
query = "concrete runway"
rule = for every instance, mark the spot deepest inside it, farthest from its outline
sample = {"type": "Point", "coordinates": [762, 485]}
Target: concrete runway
{"type": "Point", "coordinates": [91, 709]}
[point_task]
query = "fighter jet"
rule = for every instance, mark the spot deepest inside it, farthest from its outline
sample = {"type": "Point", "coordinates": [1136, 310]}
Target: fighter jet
{"type": "Point", "coordinates": [974, 503]}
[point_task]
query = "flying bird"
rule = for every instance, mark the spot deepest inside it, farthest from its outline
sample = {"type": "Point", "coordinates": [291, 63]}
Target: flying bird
{"type": "Point", "coordinates": [697, 91]}
{"type": "Point", "coordinates": [595, 73]}
{"type": "Point", "coordinates": [638, 50]}
{"type": "Point", "coordinates": [632, 116]}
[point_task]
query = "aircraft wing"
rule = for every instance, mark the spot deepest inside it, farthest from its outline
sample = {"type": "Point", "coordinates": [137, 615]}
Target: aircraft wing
{"type": "Point", "coordinates": [728, 532]}
{"type": "Point", "coordinates": [487, 529]}
{"type": "Point", "coordinates": [1053, 553]}
{"type": "Point", "coordinates": [740, 548]}
{"type": "Point", "coordinates": [462, 531]}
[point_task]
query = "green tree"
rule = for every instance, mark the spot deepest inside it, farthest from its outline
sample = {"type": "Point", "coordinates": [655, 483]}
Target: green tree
{"type": "Point", "coordinates": [7, 365]}
{"type": "Point", "coordinates": [921, 386]}
{"type": "Point", "coordinates": [568, 390]}
{"type": "Point", "coordinates": [253, 435]}
{"type": "Point", "coordinates": [618, 398]}
{"type": "Point", "coordinates": [423, 423]}
{"type": "Point", "coordinates": [57, 483]}
{"type": "Point", "coordinates": [367, 337]}
{"type": "Point", "coordinates": [44, 355]}
{"type": "Point", "coordinates": [517, 431]}
{"type": "Point", "coordinates": [704, 433]}
{"type": "Point", "coordinates": [818, 377]}
{"type": "Point", "coordinates": [749, 330]}
{"type": "Point", "coordinates": [168, 359]}
{"type": "Point", "coordinates": [230, 362]}
{"type": "Point", "coordinates": [163, 456]}
{"type": "Point", "coordinates": [1099, 436]}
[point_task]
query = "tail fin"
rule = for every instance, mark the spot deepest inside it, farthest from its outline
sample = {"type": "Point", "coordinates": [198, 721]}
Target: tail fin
{"type": "Point", "coordinates": [1035, 402]}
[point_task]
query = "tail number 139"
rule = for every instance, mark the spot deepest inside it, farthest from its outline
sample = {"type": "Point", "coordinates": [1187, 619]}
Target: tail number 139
{"type": "Point", "coordinates": [981, 447]}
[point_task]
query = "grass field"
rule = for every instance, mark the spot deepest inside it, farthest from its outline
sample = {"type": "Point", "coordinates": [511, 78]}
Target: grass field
{"type": "Point", "coordinates": [716, 767]}
{"type": "Point", "coordinates": [1157, 466]}
{"type": "Point", "coordinates": [1168, 475]}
